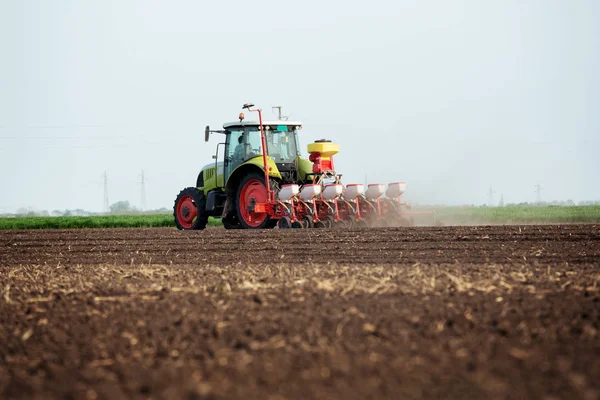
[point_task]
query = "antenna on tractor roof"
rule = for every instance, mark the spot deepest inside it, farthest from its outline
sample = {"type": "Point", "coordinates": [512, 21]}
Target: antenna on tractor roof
{"type": "Point", "coordinates": [279, 116]}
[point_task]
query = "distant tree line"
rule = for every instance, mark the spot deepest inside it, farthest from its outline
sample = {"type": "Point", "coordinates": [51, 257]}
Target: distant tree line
{"type": "Point", "coordinates": [122, 207]}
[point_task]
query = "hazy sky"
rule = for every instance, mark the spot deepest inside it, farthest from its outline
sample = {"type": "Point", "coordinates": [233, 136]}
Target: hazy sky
{"type": "Point", "coordinates": [450, 96]}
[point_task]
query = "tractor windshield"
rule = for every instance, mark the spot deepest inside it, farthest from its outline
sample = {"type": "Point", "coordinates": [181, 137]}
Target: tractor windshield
{"type": "Point", "coordinates": [281, 142]}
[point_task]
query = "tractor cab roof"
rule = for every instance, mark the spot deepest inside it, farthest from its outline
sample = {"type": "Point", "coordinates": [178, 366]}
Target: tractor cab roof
{"type": "Point", "coordinates": [265, 123]}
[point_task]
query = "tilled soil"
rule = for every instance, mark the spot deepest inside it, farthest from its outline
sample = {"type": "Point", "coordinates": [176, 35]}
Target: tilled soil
{"type": "Point", "coordinates": [452, 312]}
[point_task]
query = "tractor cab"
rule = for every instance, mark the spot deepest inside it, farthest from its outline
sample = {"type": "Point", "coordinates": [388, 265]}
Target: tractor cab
{"type": "Point", "coordinates": [243, 143]}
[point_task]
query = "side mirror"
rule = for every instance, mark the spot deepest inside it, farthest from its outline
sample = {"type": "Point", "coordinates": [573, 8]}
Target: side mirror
{"type": "Point", "coordinates": [206, 133]}
{"type": "Point", "coordinates": [214, 156]}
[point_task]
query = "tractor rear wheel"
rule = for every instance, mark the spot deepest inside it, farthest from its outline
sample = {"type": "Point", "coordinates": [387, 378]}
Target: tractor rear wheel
{"type": "Point", "coordinates": [189, 209]}
{"type": "Point", "coordinates": [252, 190]}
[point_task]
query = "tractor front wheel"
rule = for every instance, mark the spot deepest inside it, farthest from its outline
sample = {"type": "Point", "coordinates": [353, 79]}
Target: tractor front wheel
{"type": "Point", "coordinates": [251, 191]}
{"type": "Point", "coordinates": [189, 209]}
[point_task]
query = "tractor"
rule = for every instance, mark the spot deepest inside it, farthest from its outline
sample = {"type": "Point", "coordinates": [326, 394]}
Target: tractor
{"type": "Point", "coordinates": [259, 180]}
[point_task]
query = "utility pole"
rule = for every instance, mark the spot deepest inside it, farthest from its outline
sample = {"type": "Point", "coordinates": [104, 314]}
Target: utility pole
{"type": "Point", "coordinates": [105, 208]}
{"type": "Point", "coordinates": [143, 193]}
{"type": "Point", "coordinates": [501, 204]}
{"type": "Point", "coordinates": [538, 193]}
{"type": "Point", "coordinates": [491, 197]}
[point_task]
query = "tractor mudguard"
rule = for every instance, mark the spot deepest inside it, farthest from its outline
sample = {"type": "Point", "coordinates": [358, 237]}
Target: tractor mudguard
{"type": "Point", "coordinates": [254, 165]}
{"type": "Point", "coordinates": [200, 180]}
{"type": "Point", "coordinates": [257, 162]}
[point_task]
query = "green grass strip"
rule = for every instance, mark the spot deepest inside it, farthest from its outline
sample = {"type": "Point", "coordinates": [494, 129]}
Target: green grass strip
{"type": "Point", "coordinates": [445, 214]}
{"type": "Point", "coordinates": [104, 221]}
{"type": "Point", "coordinates": [518, 214]}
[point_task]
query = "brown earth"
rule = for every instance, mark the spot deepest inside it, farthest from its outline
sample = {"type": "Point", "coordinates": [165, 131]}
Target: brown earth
{"type": "Point", "coordinates": [453, 312]}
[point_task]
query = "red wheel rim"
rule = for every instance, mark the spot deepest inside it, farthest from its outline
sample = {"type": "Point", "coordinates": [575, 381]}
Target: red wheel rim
{"type": "Point", "coordinates": [187, 212]}
{"type": "Point", "coordinates": [253, 192]}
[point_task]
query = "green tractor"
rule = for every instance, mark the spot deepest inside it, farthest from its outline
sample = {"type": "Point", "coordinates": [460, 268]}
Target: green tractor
{"type": "Point", "coordinates": [254, 161]}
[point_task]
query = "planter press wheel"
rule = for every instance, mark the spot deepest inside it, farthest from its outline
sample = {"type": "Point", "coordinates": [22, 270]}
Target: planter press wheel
{"type": "Point", "coordinates": [284, 223]}
{"type": "Point", "coordinates": [351, 221]}
{"type": "Point", "coordinates": [361, 224]}
{"type": "Point", "coordinates": [308, 221]}
{"type": "Point", "coordinates": [320, 224]}
{"type": "Point", "coordinates": [341, 224]}
{"type": "Point", "coordinates": [297, 225]}
{"type": "Point", "coordinates": [329, 221]}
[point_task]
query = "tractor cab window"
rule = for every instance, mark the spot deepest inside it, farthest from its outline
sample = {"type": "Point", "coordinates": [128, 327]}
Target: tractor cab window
{"type": "Point", "coordinates": [235, 149]}
{"type": "Point", "coordinates": [242, 145]}
{"type": "Point", "coordinates": [253, 144]}
{"type": "Point", "coordinates": [281, 143]}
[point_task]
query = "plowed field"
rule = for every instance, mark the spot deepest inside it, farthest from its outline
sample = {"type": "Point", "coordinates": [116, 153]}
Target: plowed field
{"type": "Point", "coordinates": [404, 313]}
